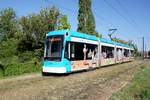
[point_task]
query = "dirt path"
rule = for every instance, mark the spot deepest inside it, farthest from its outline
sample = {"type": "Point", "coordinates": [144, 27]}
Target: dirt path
{"type": "Point", "coordinates": [93, 85]}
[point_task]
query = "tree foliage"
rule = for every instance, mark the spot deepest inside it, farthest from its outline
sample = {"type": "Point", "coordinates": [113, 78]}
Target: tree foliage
{"type": "Point", "coordinates": [29, 31]}
{"type": "Point", "coordinates": [35, 26]}
{"type": "Point", "coordinates": [63, 23]}
{"type": "Point", "coordinates": [49, 18]}
{"type": "Point", "coordinates": [119, 40]}
{"type": "Point", "coordinates": [8, 23]}
{"type": "Point", "coordinates": [86, 18]}
{"type": "Point", "coordinates": [134, 46]}
{"type": "Point", "coordinates": [22, 39]}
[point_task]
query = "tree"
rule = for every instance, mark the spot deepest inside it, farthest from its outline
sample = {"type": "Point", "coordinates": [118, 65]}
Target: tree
{"type": "Point", "coordinates": [35, 27]}
{"type": "Point", "coordinates": [90, 24]}
{"type": "Point", "coordinates": [119, 40]}
{"type": "Point", "coordinates": [134, 46]}
{"type": "Point", "coordinates": [63, 23]}
{"type": "Point", "coordinates": [8, 23]}
{"type": "Point", "coordinates": [49, 18]}
{"type": "Point", "coordinates": [86, 18]}
{"type": "Point", "coordinates": [98, 34]}
{"type": "Point", "coordinates": [82, 16]}
{"type": "Point", "coordinates": [27, 41]}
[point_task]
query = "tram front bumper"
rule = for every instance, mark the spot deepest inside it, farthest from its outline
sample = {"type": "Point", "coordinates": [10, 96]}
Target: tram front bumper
{"type": "Point", "coordinates": [54, 69]}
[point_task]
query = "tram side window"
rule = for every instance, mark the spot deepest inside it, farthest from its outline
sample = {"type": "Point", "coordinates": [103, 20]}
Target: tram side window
{"type": "Point", "coordinates": [92, 51]}
{"type": "Point", "coordinates": [74, 51]}
{"type": "Point", "coordinates": [77, 51]}
{"type": "Point", "coordinates": [107, 52]}
{"type": "Point", "coordinates": [126, 53]}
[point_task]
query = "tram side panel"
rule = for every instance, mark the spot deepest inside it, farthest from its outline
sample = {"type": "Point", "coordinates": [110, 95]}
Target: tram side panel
{"type": "Point", "coordinates": [83, 55]}
{"type": "Point", "coordinates": [107, 54]}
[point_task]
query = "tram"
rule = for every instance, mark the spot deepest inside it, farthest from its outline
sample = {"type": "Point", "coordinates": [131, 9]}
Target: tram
{"type": "Point", "coordinates": [69, 51]}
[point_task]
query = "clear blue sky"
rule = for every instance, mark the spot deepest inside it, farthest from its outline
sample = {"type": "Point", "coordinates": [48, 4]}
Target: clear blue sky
{"type": "Point", "coordinates": [130, 17]}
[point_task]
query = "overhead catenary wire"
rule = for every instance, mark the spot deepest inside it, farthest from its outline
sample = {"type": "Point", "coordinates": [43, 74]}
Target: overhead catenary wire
{"type": "Point", "coordinates": [124, 8]}
{"type": "Point", "coordinates": [100, 18]}
{"type": "Point", "coordinates": [121, 15]}
{"type": "Point", "coordinates": [108, 25]}
{"type": "Point", "coordinates": [129, 15]}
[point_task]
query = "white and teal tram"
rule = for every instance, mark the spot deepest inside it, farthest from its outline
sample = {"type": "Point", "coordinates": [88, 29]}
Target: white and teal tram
{"type": "Point", "coordinates": [68, 51]}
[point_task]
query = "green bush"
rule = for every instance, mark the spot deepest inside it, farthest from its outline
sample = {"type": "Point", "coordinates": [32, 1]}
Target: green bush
{"type": "Point", "coordinates": [8, 48]}
{"type": "Point", "coordinates": [13, 62]}
{"type": "Point", "coordinates": [12, 66]}
{"type": "Point", "coordinates": [26, 56]}
{"type": "Point", "coordinates": [21, 68]}
{"type": "Point", "coordinates": [38, 53]}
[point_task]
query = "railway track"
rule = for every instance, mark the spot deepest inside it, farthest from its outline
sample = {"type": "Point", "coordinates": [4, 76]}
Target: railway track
{"type": "Point", "coordinates": [96, 84]}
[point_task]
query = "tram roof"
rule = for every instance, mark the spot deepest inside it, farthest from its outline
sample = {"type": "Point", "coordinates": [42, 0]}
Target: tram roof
{"type": "Point", "coordinates": [73, 34]}
{"type": "Point", "coordinates": [85, 36]}
{"type": "Point", "coordinates": [104, 40]}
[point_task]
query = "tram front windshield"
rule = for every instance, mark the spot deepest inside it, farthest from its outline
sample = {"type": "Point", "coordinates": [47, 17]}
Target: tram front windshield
{"type": "Point", "coordinates": [54, 45]}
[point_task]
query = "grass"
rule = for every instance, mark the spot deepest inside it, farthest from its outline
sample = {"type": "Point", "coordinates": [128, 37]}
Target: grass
{"type": "Point", "coordinates": [139, 89]}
